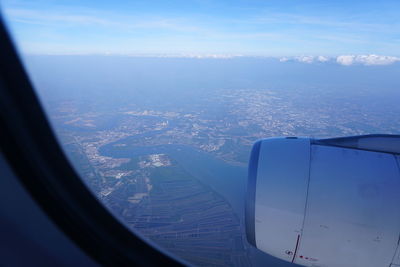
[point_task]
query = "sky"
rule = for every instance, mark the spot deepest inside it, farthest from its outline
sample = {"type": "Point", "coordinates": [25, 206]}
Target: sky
{"type": "Point", "coordinates": [280, 28]}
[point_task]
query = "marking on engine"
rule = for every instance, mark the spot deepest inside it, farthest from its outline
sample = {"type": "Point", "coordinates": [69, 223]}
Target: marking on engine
{"type": "Point", "coordinates": [307, 258]}
{"type": "Point", "coordinates": [297, 246]}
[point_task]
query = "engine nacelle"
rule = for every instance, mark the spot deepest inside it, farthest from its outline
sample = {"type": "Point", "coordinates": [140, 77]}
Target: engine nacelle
{"type": "Point", "coordinates": [330, 202]}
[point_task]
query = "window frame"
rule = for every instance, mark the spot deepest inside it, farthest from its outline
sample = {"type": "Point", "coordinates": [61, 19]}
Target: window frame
{"type": "Point", "coordinates": [32, 150]}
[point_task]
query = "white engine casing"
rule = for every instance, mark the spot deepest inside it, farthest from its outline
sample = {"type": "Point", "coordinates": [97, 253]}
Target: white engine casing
{"type": "Point", "coordinates": [326, 203]}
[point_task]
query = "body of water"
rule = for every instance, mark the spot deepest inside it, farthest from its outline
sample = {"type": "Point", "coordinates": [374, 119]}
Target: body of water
{"type": "Point", "coordinates": [229, 181]}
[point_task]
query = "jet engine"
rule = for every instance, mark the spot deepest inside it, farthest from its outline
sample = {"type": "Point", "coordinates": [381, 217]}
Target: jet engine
{"type": "Point", "coordinates": [326, 202]}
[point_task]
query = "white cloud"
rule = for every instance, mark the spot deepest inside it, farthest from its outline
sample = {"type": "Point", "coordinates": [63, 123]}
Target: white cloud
{"type": "Point", "coordinates": [305, 59]}
{"type": "Point", "coordinates": [322, 59]}
{"type": "Point", "coordinates": [368, 60]}
{"type": "Point", "coordinates": [346, 60]}
{"type": "Point", "coordinates": [200, 56]}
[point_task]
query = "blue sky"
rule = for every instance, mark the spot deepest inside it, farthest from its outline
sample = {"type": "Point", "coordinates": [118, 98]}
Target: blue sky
{"type": "Point", "coordinates": [256, 28]}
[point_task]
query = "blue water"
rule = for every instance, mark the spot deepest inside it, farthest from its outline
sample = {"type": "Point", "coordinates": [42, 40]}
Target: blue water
{"type": "Point", "coordinates": [229, 181]}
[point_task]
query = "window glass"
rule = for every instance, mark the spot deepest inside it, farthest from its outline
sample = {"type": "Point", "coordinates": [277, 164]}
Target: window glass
{"type": "Point", "coordinates": [157, 104]}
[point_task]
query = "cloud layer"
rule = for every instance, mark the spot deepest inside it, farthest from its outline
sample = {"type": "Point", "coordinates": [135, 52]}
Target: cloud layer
{"type": "Point", "coordinates": [346, 60]}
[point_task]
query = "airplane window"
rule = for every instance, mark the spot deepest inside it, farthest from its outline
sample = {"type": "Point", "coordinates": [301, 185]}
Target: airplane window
{"type": "Point", "coordinates": [158, 104]}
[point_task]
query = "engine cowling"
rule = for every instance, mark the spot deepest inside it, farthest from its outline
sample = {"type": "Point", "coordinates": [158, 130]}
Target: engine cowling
{"type": "Point", "coordinates": [330, 202]}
